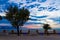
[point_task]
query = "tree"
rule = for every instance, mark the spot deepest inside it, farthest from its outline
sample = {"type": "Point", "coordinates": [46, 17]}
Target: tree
{"type": "Point", "coordinates": [17, 17]}
{"type": "Point", "coordinates": [0, 17]}
{"type": "Point", "coordinates": [46, 27]}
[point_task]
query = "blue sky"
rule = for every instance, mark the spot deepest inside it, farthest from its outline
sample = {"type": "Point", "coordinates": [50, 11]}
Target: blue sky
{"type": "Point", "coordinates": [41, 11]}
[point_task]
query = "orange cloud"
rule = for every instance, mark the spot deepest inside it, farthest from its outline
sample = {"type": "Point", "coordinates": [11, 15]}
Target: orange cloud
{"type": "Point", "coordinates": [33, 26]}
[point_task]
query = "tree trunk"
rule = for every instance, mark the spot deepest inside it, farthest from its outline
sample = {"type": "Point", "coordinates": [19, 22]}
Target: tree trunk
{"type": "Point", "coordinates": [18, 30]}
{"type": "Point", "coordinates": [46, 32]}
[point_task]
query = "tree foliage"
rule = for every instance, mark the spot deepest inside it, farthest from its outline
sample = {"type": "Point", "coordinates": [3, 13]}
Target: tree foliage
{"type": "Point", "coordinates": [46, 26]}
{"type": "Point", "coordinates": [16, 16]}
{"type": "Point", "coordinates": [0, 17]}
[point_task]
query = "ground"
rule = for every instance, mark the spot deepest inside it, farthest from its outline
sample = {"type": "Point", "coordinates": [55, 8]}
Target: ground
{"type": "Point", "coordinates": [29, 37]}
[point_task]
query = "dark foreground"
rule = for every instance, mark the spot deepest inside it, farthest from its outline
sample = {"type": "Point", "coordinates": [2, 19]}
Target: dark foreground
{"type": "Point", "coordinates": [29, 37]}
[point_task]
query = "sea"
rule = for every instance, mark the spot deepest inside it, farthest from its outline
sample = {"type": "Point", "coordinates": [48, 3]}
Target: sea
{"type": "Point", "coordinates": [25, 30]}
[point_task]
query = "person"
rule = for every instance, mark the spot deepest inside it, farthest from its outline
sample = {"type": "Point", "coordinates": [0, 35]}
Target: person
{"type": "Point", "coordinates": [20, 31]}
{"type": "Point", "coordinates": [12, 31]}
{"type": "Point", "coordinates": [54, 31]}
{"type": "Point", "coordinates": [5, 32]}
{"type": "Point", "coordinates": [28, 31]}
{"type": "Point", "coordinates": [37, 31]}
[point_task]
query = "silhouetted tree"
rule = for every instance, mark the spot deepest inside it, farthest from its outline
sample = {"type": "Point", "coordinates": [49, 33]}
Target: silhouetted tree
{"type": "Point", "coordinates": [0, 17]}
{"type": "Point", "coordinates": [17, 17]}
{"type": "Point", "coordinates": [46, 27]}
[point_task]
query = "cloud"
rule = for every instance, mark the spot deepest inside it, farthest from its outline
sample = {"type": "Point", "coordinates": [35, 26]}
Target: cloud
{"type": "Point", "coordinates": [52, 23]}
{"type": "Point", "coordinates": [2, 13]}
{"type": "Point", "coordinates": [34, 16]}
{"type": "Point", "coordinates": [33, 26]}
{"type": "Point", "coordinates": [4, 24]}
{"type": "Point", "coordinates": [15, 1]}
{"type": "Point", "coordinates": [42, 0]}
{"type": "Point", "coordinates": [52, 9]}
{"type": "Point", "coordinates": [40, 10]}
{"type": "Point", "coordinates": [56, 19]}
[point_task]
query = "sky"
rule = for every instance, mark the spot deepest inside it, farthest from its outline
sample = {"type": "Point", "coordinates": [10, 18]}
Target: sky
{"type": "Point", "coordinates": [41, 12]}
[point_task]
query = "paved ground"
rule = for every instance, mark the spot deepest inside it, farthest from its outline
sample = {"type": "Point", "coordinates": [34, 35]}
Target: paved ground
{"type": "Point", "coordinates": [30, 37]}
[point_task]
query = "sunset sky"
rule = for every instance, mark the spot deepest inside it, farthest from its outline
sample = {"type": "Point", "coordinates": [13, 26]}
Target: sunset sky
{"type": "Point", "coordinates": [41, 12]}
